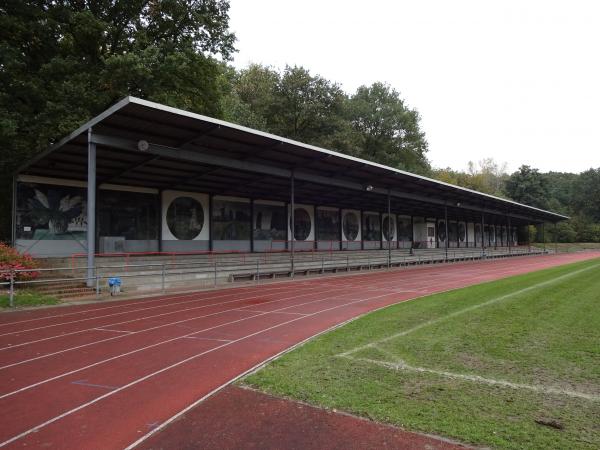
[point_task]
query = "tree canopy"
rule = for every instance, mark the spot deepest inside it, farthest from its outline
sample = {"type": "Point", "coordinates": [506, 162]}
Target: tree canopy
{"type": "Point", "coordinates": [64, 61]}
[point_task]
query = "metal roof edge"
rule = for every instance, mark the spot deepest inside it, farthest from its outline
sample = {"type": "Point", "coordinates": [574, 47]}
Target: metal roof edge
{"type": "Point", "coordinates": [90, 123]}
{"type": "Point", "coordinates": [157, 106]}
{"type": "Point", "coordinates": [181, 112]}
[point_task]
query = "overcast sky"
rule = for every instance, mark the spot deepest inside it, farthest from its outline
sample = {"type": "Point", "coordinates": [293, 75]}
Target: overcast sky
{"type": "Point", "coordinates": [518, 81]}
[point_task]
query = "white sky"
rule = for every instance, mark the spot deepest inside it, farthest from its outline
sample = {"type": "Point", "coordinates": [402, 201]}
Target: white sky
{"type": "Point", "coordinates": [518, 81]}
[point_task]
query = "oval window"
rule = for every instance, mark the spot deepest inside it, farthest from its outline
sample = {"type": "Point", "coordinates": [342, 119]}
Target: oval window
{"type": "Point", "coordinates": [350, 225]}
{"type": "Point", "coordinates": [185, 218]}
{"type": "Point", "coordinates": [302, 224]}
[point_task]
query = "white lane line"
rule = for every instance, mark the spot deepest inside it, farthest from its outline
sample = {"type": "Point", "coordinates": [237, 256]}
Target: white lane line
{"type": "Point", "coordinates": [279, 312]}
{"type": "Point", "coordinates": [191, 300]}
{"type": "Point", "coordinates": [177, 323]}
{"type": "Point", "coordinates": [401, 365]}
{"type": "Point", "coordinates": [113, 331]}
{"type": "Point", "coordinates": [260, 295]}
{"type": "Point", "coordinates": [469, 309]}
{"type": "Point", "coordinates": [172, 366]}
{"type": "Point", "coordinates": [112, 358]}
{"type": "Point", "coordinates": [206, 339]}
{"type": "Point", "coordinates": [117, 304]}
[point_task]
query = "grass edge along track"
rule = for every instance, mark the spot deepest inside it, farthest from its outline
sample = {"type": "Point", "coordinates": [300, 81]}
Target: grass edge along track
{"type": "Point", "coordinates": [538, 329]}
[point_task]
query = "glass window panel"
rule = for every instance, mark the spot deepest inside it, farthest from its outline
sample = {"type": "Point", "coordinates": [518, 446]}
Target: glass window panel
{"type": "Point", "coordinates": [478, 233]}
{"type": "Point", "coordinates": [442, 231]}
{"type": "Point", "coordinates": [49, 212]}
{"type": "Point", "coordinates": [388, 228]}
{"type": "Point", "coordinates": [302, 224]}
{"type": "Point", "coordinates": [452, 232]}
{"type": "Point", "coordinates": [133, 215]}
{"type": "Point", "coordinates": [351, 225]}
{"type": "Point", "coordinates": [404, 229]}
{"type": "Point", "coordinates": [269, 222]}
{"type": "Point", "coordinates": [231, 220]}
{"type": "Point", "coordinates": [462, 232]}
{"type": "Point", "coordinates": [371, 227]}
{"type": "Point", "coordinates": [328, 224]}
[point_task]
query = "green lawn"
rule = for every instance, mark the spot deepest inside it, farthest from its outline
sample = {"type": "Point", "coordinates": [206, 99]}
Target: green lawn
{"type": "Point", "coordinates": [28, 298]}
{"type": "Point", "coordinates": [409, 364]}
{"type": "Point", "coordinates": [568, 247]}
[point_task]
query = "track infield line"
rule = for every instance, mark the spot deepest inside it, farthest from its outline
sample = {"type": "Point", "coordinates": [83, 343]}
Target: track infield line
{"type": "Point", "coordinates": [466, 310]}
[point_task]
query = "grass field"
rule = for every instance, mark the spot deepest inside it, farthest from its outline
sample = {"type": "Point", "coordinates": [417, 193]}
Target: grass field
{"type": "Point", "coordinates": [28, 298]}
{"type": "Point", "coordinates": [568, 247]}
{"type": "Point", "coordinates": [508, 364]}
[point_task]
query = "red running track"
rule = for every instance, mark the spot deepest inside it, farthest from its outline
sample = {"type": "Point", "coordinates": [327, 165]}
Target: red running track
{"type": "Point", "coordinates": [108, 376]}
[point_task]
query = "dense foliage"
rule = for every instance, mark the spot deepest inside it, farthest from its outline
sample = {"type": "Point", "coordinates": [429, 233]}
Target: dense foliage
{"type": "Point", "coordinates": [11, 260]}
{"type": "Point", "coordinates": [575, 195]}
{"type": "Point", "coordinates": [64, 61]}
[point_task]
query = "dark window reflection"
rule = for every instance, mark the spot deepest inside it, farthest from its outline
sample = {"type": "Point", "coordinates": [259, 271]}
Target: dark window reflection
{"type": "Point", "coordinates": [404, 229]}
{"type": "Point", "coordinates": [371, 227]}
{"type": "Point", "coordinates": [452, 232]}
{"type": "Point", "coordinates": [231, 220]}
{"type": "Point", "coordinates": [185, 218]}
{"type": "Point", "coordinates": [328, 224]}
{"type": "Point", "coordinates": [302, 224]}
{"type": "Point", "coordinates": [478, 233]}
{"type": "Point", "coordinates": [442, 231]}
{"type": "Point", "coordinates": [351, 226]}
{"type": "Point", "coordinates": [269, 222]}
{"type": "Point", "coordinates": [462, 232]}
{"type": "Point", "coordinates": [388, 228]}
{"type": "Point", "coordinates": [133, 215]}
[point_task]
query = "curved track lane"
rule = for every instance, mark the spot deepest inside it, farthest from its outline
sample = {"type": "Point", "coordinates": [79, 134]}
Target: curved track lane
{"type": "Point", "coordinates": [108, 376]}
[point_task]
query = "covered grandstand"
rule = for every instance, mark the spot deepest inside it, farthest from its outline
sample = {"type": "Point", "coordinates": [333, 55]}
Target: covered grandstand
{"type": "Point", "coordinates": [143, 178]}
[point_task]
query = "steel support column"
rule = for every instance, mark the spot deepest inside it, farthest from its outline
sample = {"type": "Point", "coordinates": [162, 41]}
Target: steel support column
{"type": "Point", "coordinates": [509, 234]}
{"type": "Point", "coordinates": [160, 217]}
{"type": "Point", "coordinates": [91, 210]}
{"type": "Point", "coordinates": [340, 234]}
{"type": "Point", "coordinates": [252, 225]}
{"type": "Point", "coordinates": [292, 222]}
{"type": "Point", "coordinates": [412, 234]}
{"type": "Point", "coordinates": [482, 233]}
{"type": "Point", "coordinates": [446, 225]}
{"type": "Point", "coordinates": [210, 223]}
{"type": "Point", "coordinates": [362, 231]}
{"type": "Point", "coordinates": [544, 236]}
{"type": "Point", "coordinates": [555, 238]}
{"type": "Point", "coordinates": [13, 228]}
{"type": "Point", "coordinates": [389, 239]}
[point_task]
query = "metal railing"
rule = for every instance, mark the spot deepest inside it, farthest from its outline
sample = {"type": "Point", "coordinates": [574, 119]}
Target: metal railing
{"type": "Point", "coordinates": [254, 266]}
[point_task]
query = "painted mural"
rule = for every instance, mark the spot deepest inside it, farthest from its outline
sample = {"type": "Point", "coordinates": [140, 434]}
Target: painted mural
{"type": "Point", "coordinates": [49, 212]}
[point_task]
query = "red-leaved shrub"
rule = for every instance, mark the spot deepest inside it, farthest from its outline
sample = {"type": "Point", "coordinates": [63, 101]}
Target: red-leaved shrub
{"type": "Point", "coordinates": [11, 259]}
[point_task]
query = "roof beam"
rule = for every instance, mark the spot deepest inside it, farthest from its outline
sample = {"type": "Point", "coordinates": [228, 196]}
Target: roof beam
{"type": "Point", "coordinates": [250, 166]}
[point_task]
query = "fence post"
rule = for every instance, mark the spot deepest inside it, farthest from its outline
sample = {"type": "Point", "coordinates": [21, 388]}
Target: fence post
{"type": "Point", "coordinates": [257, 270]}
{"type": "Point", "coordinates": [322, 264]}
{"type": "Point", "coordinates": [347, 263]}
{"type": "Point", "coordinates": [97, 283]}
{"type": "Point", "coordinates": [215, 260]}
{"type": "Point", "coordinates": [11, 296]}
{"type": "Point", "coordinates": [162, 281]}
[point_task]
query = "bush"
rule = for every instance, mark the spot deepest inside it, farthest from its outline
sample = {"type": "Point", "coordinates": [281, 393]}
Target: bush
{"type": "Point", "coordinates": [11, 259]}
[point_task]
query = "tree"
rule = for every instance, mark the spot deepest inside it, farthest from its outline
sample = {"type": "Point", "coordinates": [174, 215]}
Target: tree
{"type": "Point", "coordinates": [528, 186]}
{"type": "Point", "coordinates": [62, 62]}
{"type": "Point", "coordinates": [388, 132]}
{"type": "Point", "coordinates": [586, 194]}
{"type": "Point", "coordinates": [488, 176]}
